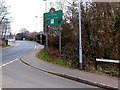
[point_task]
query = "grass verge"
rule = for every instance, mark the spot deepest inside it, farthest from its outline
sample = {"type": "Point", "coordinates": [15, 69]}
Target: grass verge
{"type": "Point", "coordinates": [4, 46]}
{"type": "Point", "coordinates": [42, 55]}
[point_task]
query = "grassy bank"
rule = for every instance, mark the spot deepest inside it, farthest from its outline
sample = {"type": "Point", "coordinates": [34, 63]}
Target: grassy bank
{"type": "Point", "coordinates": [4, 46]}
{"type": "Point", "coordinates": [42, 55]}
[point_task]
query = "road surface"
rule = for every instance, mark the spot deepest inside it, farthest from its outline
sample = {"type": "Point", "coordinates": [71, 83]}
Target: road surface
{"type": "Point", "coordinates": [21, 48]}
{"type": "Point", "coordinates": [15, 74]}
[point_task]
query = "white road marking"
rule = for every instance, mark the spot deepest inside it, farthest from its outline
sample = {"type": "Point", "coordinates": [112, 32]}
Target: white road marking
{"type": "Point", "coordinates": [35, 47]}
{"type": "Point", "coordinates": [8, 63]}
{"type": "Point", "coordinates": [17, 44]}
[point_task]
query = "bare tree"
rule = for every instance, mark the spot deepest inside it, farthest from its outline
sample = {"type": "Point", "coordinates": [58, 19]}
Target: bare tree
{"type": "Point", "coordinates": [4, 19]}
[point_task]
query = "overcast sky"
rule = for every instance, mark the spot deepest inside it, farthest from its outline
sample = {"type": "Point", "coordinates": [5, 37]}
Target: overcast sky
{"type": "Point", "coordinates": [23, 13]}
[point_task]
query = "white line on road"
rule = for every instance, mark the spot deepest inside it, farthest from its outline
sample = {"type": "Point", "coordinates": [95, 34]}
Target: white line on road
{"type": "Point", "coordinates": [17, 44]}
{"type": "Point", "coordinates": [8, 63]}
{"type": "Point", "coordinates": [35, 47]}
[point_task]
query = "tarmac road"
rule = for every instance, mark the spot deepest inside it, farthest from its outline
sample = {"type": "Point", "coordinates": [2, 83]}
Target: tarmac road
{"type": "Point", "coordinates": [15, 74]}
{"type": "Point", "coordinates": [21, 48]}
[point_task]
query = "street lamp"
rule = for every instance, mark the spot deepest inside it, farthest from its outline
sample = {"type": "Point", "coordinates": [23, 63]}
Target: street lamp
{"type": "Point", "coordinates": [45, 5]}
{"type": "Point", "coordinates": [80, 39]}
{"type": "Point", "coordinates": [45, 27]}
{"type": "Point", "coordinates": [41, 35]}
{"type": "Point", "coordinates": [36, 29]}
{"type": "Point", "coordinates": [36, 22]}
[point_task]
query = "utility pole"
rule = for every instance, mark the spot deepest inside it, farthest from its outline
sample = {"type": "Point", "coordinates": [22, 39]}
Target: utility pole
{"type": "Point", "coordinates": [45, 5]}
{"type": "Point", "coordinates": [41, 35]}
{"type": "Point", "coordinates": [36, 29]}
{"type": "Point", "coordinates": [80, 38]}
{"type": "Point", "coordinates": [45, 27]}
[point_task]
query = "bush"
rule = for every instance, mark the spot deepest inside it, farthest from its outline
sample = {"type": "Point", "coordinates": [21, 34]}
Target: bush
{"type": "Point", "coordinates": [3, 42]}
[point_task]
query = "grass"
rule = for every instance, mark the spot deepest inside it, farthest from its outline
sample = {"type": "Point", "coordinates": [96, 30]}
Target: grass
{"type": "Point", "coordinates": [113, 72]}
{"type": "Point", "coordinates": [4, 46]}
{"type": "Point", "coordinates": [42, 55]}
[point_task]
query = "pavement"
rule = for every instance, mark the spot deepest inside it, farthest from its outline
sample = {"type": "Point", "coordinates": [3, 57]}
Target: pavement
{"type": "Point", "coordinates": [102, 81]}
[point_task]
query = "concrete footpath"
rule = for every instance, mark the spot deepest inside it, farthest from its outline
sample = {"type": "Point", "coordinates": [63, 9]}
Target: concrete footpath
{"type": "Point", "coordinates": [102, 81]}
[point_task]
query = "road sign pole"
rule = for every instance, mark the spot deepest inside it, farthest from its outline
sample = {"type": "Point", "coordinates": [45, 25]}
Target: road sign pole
{"type": "Point", "coordinates": [80, 39]}
{"type": "Point", "coordinates": [60, 42]}
{"type": "Point", "coordinates": [52, 21]}
{"type": "Point", "coordinates": [41, 38]}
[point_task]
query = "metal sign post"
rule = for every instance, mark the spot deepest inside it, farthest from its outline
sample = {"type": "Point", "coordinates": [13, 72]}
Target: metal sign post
{"type": "Point", "coordinates": [47, 42]}
{"type": "Point", "coordinates": [60, 42]}
{"type": "Point", "coordinates": [41, 39]}
{"type": "Point", "coordinates": [52, 22]}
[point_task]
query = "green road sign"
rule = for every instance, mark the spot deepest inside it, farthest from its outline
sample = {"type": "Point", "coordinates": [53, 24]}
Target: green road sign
{"type": "Point", "coordinates": [53, 20]}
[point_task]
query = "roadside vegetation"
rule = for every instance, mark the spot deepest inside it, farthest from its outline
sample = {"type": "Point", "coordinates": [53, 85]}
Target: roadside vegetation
{"type": "Point", "coordinates": [3, 43]}
{"type": "Point", "coordinates": [4, 46]}
{"type": "Point", "coordinates": [43, 56]}
{"type": "Point", "coordinates": [60, 61]}
{"type": "Point", "coordinates": [100, 37]}
{"type": "Point", "coordinates": [24, 34]}
{"type": "Point", "coordinates": [5, 20]}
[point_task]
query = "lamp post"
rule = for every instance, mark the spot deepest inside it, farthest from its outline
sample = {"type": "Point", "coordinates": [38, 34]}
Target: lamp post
{"type": "Point", "coordinates": [80, 38]}
{"type": "Point", "coordinates": [45, 5]}
{"type": "Point", "coordinates": [36, 28]}
{"type": "Point", "coordinates": [41, 35]}
{"type": "Point", "coordinates": [36, 22]}
{"type": "Point", "coordinates": [45, 27]}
